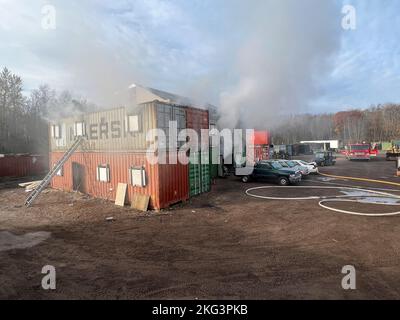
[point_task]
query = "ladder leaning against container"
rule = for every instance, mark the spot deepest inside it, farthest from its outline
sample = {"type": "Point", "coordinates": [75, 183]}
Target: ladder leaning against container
{"type": "Point", "coordinates": [43, 184]}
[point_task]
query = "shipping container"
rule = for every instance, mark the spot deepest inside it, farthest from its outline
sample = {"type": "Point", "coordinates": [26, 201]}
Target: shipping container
{"type": "Point", "coordinates": [118, 140]}
{"type": "Point", "coordinates": [166, 113]}
{"type": "Point", "coordinates": [261, 138]}
{"type": "Point", "coordinates": [22, 165]}
{"type": "Point", "coordinates": [121, 129]}
{"type": "Point", "coordinates": [261, 145]}
{"type": "Point", "coordinates": [199, 160]}
{"type": "Point", "coordinates": [197, 119]}
{"type": "Point", "coordinates": [199, 173]}
{"type": "Point", "coordinates": [165, 184]}
{"type": "Point", "coordinates": [261, 152]}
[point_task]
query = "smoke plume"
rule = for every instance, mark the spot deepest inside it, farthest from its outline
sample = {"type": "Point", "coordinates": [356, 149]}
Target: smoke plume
{"type": "Point", "coordinates": [257, 60]}
{"type": "Point", "coordinates": [286, 49]}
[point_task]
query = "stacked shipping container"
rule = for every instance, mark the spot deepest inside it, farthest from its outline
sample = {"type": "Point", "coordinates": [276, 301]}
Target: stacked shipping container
{"type": "Point", "coordinates": [118, 141]}
{"type": "Point", "coordinates": [261, 145]}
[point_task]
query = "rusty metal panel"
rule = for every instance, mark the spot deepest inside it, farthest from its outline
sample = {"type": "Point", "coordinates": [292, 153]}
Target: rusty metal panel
{"type": "Point", "coordinates": [173, 183]}
{"type": "Point", "coordinates": [166, 113]}
{"type": "Point", "coordinates": [197, 119]}
{"type": "Point", "coordinates": [106, 130]}
{"type": "Point", "coordinates": [165, 184]}
{"type": "Point", "coordinates": [22, 165]}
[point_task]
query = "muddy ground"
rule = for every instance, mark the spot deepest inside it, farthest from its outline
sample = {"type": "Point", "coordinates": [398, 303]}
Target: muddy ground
{"type": "Point", "coordinates": [224, 244]}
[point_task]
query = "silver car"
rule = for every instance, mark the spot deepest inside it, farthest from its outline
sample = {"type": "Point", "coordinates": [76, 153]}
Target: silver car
{"type": "Point", "coordinates": [294, 165]}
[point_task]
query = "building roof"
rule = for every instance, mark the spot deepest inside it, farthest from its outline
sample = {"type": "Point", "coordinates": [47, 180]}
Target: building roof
{"type": "Point", "coordinates": [172, 98]}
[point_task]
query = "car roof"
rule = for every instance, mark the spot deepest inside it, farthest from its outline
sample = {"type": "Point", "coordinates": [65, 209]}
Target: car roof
{"type": "Point", "coordinates": [267, 161]}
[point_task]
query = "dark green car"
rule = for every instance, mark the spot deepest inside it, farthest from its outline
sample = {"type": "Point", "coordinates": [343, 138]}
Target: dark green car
{"type": "Point", "coordinates": [274, 171]}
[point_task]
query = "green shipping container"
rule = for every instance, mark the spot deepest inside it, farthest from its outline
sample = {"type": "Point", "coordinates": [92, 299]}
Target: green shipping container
{"type": "Point", "coordinates": [199, 173]}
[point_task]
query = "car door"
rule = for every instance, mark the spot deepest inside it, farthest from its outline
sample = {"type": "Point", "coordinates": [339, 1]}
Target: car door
{"type": "Point", "coordinates": [258, 171]}
{"type": "Point", "coordinates": [263, 171]}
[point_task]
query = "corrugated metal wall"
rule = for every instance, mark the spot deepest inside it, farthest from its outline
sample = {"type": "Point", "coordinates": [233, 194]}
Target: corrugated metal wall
{"type": "Point", "coordinates": [199, 173]}
{"type": "Point", "coordinates": [173, 183]}
{"type": "Point", "coordinates": [166, 184]}
{"type": "Point", "coordinates": [197, 119]}
{"type": "Point", "coordinates": [199, 166]}
{"type": "Point", "coordinates": [106, 131]}
{"type": "Point", "coordinates": [166, 113]}
{"type": "Point", "coordinates": [22, 165]}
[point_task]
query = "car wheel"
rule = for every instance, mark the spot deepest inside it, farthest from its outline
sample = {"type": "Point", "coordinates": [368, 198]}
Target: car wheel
{"type": "Point", "coordinates": [283, 181]}
{"type": "Point", "coordinates": [245, 179]}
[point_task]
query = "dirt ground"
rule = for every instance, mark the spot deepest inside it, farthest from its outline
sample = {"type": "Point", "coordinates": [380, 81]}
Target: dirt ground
{"type": "Point", "coordinates": [223, 244]}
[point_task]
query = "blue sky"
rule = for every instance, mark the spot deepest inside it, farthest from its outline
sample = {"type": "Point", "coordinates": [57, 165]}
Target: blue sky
{"type": "Point", "coordinates": [367, 67]}
{"type": "Point", "coordinates": [191, 47]}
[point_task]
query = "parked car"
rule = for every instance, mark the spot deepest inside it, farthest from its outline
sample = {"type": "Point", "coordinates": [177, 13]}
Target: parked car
{"type": "Point", "coordinates": [295, 166]}
{"type": "Point", "coordinates": [273, 170]}
{"type": "Point", "coordinates": [311, 166]}
{"type": "Point", "coordinates": [325, 158]}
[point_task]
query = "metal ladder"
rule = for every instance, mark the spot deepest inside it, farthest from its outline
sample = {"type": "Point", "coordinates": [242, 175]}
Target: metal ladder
{"type": "Point", "coordinates": [43, 184]}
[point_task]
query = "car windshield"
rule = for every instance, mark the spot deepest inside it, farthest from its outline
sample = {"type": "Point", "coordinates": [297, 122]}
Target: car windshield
{"type": "Point", "coordinates": [276, 165]}
{"type": "Point", "coordinates": [292, 164]}
{"type": "Point", "coordinates": [319, 155]}
{"type": "Point", "coordinates": [284, 164]}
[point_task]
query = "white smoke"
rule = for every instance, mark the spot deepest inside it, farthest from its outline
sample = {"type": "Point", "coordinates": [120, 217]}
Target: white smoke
{"type": "Point", "coordinates": [286, 48]}
{"type": "Point", "coordinates": [258, 59]}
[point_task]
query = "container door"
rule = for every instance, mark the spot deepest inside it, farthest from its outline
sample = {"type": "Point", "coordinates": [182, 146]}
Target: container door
{"type": "Point", "coordinates": [194, 174]}
{"type": "Point", "coordinates": [199, 173]}
{"type": "Point", "coordinates": [78, 177]}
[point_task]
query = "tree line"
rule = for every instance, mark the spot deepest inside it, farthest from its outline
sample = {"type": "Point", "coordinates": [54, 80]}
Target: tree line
{"type": "Point", "coordinates": [24, 118]}
{"type": "Point", "coordinates": [375, 124]}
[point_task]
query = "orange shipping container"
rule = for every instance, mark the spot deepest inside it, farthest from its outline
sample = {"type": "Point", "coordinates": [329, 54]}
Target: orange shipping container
{"type": "Point", "coordinates": [112, 143]}
{"type": "Point", "coordinates": [261, 137]}
{"type": "Point", "coordinates": [165, 184]}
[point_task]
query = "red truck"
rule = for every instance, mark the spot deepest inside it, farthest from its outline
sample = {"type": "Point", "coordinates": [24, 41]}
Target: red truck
{"type": "Point", "coordinates": [358, 151]}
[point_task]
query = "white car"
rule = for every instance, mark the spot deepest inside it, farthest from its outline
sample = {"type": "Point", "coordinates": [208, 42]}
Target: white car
{"type": "Point", "coordinates": [311, 166]}
{"type": "Point", "coordinates": [294, 165]}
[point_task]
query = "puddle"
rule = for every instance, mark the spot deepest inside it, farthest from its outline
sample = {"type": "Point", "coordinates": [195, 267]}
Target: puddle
{"type": "Point", "coordinates": [9, 241]}
{"type": "Point", "coordinates": [368, 197]}
{"type": "Point", "coordinates": [387, 201]}
{"type": "Point", "coordinates": [326, 179]}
